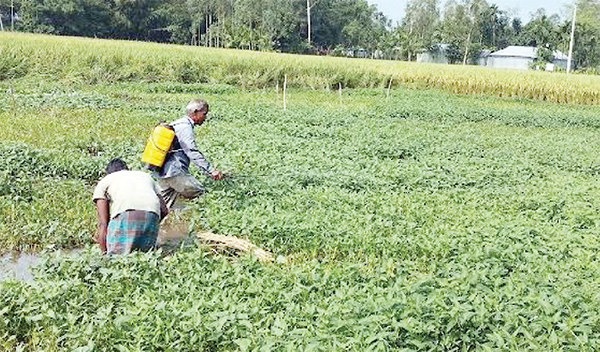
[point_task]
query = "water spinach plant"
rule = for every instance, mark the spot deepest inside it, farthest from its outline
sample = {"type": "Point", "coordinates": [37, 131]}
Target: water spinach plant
{"type": "Point", "coordinates": [422, 221]}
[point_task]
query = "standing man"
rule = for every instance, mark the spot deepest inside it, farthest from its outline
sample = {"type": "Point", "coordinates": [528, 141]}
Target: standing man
{"type": "Point", "coordinates": [174, 177]}
{"type": "Point", "coordinates": [129, 208]}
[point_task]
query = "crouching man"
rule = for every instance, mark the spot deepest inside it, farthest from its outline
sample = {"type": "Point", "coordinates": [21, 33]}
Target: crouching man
{"type": "Point", "coordinates": [174, 177]}
{"type": "Point", "coordinates": [129, 208]}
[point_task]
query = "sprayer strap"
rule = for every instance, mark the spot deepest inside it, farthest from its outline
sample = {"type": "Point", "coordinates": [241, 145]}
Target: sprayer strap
{"type": "Point", "coordinates": [152, 137]}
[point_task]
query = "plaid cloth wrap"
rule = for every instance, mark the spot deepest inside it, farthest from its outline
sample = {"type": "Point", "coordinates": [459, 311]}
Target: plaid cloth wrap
{"type": "Point", "coordinates": [132, 230]}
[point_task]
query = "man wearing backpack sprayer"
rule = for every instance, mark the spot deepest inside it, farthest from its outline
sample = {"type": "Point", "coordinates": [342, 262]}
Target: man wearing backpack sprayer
{"type": "Point", "coordinates": [174, 177]}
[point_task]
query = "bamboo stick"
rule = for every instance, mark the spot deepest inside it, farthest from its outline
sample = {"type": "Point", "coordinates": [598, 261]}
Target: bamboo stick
{"type": "Point", "coordinates": [284, 89]}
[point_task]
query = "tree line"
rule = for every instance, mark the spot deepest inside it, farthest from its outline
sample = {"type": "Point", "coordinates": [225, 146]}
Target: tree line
{"type": "Point", "coordinates": [470, 26]}
{"type": "Point", "coordinates": [319, 26]}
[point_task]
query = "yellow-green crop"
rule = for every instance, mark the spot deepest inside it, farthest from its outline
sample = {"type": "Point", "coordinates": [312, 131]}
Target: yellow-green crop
{"type": "Point", "coordinates": [93, 61]}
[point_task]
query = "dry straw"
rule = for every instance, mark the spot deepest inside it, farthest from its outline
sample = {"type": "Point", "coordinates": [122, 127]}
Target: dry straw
{"type": "Point", "coordinates": [235, 243]}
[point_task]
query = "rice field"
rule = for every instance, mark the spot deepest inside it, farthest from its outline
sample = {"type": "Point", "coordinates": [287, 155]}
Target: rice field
{"type": "Point", "coordinates": [420, 221]}
{"type": "Point", "coordinates": [95, 61]}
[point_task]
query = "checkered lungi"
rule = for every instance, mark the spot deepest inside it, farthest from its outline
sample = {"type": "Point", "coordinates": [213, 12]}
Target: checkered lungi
{"type": "Point", "coordinates": [132, 230]}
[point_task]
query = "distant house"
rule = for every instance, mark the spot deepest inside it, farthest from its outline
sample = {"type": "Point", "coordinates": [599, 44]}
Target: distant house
{"type": "Point", "coordinates": [438, 55]}
{"type": "Point", "coordinates": [356, 52]}
{"type": "Point", "coordinates": [520, 57]}
{"type": "Point", "coordinates": [484, 55]}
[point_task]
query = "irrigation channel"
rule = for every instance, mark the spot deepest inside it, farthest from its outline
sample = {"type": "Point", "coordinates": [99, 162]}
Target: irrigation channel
{"type": "Point", "coordinates": [173, 234]}
{"type": "Point", "coordinates": [19, 265]}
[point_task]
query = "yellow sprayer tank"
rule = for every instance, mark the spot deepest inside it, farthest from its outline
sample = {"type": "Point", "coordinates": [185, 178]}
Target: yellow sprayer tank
{"type": "Point", "coordinates": [158, 145]}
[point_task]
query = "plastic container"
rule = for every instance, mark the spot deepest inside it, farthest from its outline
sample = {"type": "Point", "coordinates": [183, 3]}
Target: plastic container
{"type": "Point", "coordinates": [157, 146]}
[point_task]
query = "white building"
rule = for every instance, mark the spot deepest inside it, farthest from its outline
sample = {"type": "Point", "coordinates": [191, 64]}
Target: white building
{"type": "Point", "coordinates": [437, 56]}
{"type": "Point", "coordinates": [521, 57]}
{"type": "Point", "coordinates": [483, 57]}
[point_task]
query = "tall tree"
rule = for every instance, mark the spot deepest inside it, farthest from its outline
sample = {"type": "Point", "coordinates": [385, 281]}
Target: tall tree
{"type": "Point", "coordinates": [363, 24]}
{"type": "Point", "coordinates": [456, 29]}
{"type": "Point", "coordinates": [543, 33]}
{"type": "Point", "coordinates": [8, 11]}
{"type": "Point", "coordinates": [73, 17]}
{"type": "Point", "coordinates": [474, 15]}
{"type": "Point", "coordinates": [173, 19]}
{"type": "Point", "coordinates": [419, 26]}
{"type": "Point", "coordinates": [282, 23]}
{"type": "Point", "coordinates": [327, 23]}
{"type": "Point", "coordinates": [586, 50]}
{"type": "Point", "coordinates": [132, 18]}
{"type": "Point", "coordinates": [494, 28]}
{"type": "Point", "coordinates": [542, 30]}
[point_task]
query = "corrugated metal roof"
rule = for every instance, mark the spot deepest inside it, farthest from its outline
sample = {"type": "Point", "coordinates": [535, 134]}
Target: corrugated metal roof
{"type": "Point", "coordinates": [524, 51]}
{"type": "Point", "coordinates": [560, 56]}
{"type": "Point", "coordinates": [516, 51]}
{"type": "Point", "coordinates": [485, 53]}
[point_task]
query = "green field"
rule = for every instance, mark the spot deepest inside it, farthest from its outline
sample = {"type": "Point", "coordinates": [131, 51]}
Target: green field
{"type": "Point", "coordinates": [420, 221]}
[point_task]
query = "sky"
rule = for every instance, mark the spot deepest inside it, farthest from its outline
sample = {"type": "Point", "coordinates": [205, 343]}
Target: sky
{"type": "Point", "coordinates": [394, 9]}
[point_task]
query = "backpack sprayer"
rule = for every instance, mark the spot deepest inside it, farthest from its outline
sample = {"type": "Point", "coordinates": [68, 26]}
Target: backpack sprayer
{"type": "Point", "coordinates": [157, 146]}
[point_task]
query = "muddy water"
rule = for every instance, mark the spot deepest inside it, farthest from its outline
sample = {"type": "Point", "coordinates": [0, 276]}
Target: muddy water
{"type": "Point", "coordinates": [174, 233]}
{"type": "Point", "coordinates": [18, 266]}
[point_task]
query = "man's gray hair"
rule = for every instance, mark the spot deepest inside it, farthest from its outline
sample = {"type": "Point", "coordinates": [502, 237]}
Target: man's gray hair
{"type": "Point", "coordinates": [196, 105]}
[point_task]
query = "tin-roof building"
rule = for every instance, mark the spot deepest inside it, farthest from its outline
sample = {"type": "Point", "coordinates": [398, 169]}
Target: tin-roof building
{"type": "Point", "coordinates": [521, 57]}
{"type": "Point", "coordinates": [437, 55]}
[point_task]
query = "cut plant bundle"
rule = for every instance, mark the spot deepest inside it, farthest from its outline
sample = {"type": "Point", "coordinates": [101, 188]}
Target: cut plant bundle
{"type": "Point", "coordinates": [235, 243]}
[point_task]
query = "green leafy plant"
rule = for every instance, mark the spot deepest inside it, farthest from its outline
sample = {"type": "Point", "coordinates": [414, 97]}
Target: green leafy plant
{"type": "Point", "coordinates": [424, 221]}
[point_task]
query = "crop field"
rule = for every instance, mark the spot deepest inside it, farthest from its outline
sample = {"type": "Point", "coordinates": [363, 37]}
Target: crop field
{"type": "Point", "coordinates": [420, 221]}
{"type": "Point", "coordinates": [93, 61]}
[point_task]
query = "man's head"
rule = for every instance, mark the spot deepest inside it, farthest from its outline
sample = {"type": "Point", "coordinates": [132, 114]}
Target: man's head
{"type": "Point", "coordinates": [197, 110]}
{"type": "Point", "coordinates": [115, 165]}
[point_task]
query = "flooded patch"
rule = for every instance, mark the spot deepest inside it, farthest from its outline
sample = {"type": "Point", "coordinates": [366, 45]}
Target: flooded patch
{"type": "Point", "coordinates": [18, 266]}
{"type": "Point", "coordinates": [174, 231]}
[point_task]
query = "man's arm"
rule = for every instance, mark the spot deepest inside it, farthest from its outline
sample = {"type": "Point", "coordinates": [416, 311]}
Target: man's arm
{"type": "Point", "coordinates": [164, 210]}
{"type": "Point", "coordinates": [185, 135]}
{"type": "Point", "coordinates": [103, 217]}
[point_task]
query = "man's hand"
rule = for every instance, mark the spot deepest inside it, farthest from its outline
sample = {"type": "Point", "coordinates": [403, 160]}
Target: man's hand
{"type": "Point", "coordinates": [103, 212]}
{"type": "Point", "coordinates": [100, 238]}
{"type": "Point", "coordinates": [164, 210]}
{"type": "Point", "coordinates": [216, 174]}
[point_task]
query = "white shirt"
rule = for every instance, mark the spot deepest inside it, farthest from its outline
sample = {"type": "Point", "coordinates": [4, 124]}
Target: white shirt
{"type": "Point", "coordinates": [129, 190]}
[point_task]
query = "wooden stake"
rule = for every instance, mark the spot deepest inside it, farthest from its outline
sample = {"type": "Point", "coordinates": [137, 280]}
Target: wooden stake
{"type": "Point", "coordinates": [284, 88]}
{"type": "Point", "coordinates": [14, 103]}
{"type": "Point", "coordinates": [389, 86]}
{"type": "Point", "coordinates": [340, 90]}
